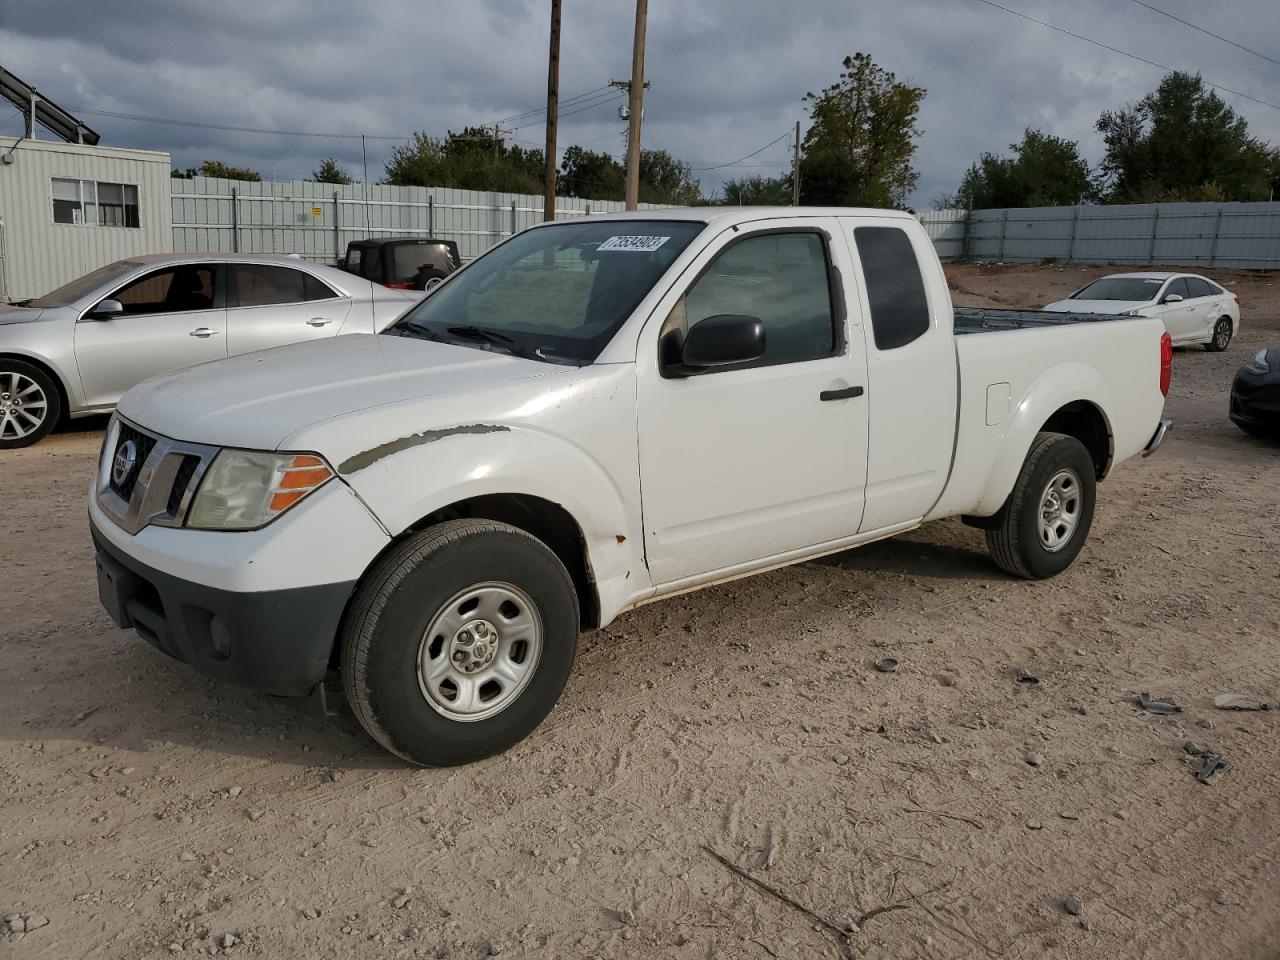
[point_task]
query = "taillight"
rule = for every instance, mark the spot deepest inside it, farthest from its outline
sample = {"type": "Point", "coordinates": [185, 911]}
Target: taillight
{"type": "Point", "coordinates": [1236, 296]}
{"type": "Point", "coordinates": [399, 286]}
{"type": "Point", "coordinates": [1166, 363]}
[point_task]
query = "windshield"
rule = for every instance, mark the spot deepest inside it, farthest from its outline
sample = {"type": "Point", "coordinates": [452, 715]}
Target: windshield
{"type": "Point", "coordinates": [557, 293]}
{"type": "Point", "coordinates": [1136, 289]}
{"type": "Point", "coordinates": [77, 290]}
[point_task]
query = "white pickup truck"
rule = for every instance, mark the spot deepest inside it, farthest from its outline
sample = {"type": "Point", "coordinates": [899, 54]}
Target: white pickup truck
{"type": "Point", "coordinates": [593, 415]}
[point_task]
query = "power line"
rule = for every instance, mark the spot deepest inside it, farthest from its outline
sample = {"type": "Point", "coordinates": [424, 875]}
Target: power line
{"type": "Point", "coordinates": [542, 110]}
{"type": "Point", "coordinates": [318, 134]}
{"type": "Point", "coordinates": [717, 166]}
{"type": "Point", "coordinates": [1126, 53]}
{"type": "Point", "coordinates": [1216, 36]}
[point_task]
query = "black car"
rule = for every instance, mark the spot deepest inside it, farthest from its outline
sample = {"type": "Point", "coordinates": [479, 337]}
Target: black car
{"type": "Point", "coordinates": [406, 263]}
{"type": "Point", "coordinates": [1255, 396]}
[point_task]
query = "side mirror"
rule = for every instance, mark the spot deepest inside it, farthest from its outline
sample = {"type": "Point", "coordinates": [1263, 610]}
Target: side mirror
{"type": "Point", "coordinates": [722, 340]}
{"type": "Point", "coordinates": [1172, 298]}
{"type": "Point", "coordinates": [105, 310]}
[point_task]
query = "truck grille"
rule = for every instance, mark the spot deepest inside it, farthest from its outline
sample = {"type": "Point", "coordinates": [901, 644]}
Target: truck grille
{"type": "Point", "coordinates": [142, 445]}
{"type": "Point", "coordinates": [145, 478]}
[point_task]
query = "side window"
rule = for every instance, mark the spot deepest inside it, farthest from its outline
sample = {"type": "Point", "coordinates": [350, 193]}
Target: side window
{"type": "Point", "coordinates": [313, 289]}
{"type": "Point", "coordinates": [1199, 288]}
{"type": "Point", "coordinates": [172, 290]}
{"type": "Point", "coordinates": [353, 258]}
{"type": "Point", "coordinates": [1178, 286]}
{"type": "Point", "coordinates": [781, 278]}
{"type": "Point", "coordinates": [259, 285]}
{"type": "Point", "coordinates": [895, 288]}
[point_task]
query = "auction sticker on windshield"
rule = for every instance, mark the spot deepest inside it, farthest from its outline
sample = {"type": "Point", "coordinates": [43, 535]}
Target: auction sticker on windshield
{"type": "Point", "coordinates": [633, 244]}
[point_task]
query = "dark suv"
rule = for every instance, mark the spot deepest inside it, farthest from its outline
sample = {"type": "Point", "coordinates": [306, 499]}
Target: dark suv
{"type": "Point", "coordinates": [405, 263]}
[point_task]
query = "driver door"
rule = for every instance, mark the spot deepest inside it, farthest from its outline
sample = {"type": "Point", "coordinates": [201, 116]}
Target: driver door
{"type": "Point", "coordinates": [173, 318]}
{"type": "Point", "coordinates": [738, 464]}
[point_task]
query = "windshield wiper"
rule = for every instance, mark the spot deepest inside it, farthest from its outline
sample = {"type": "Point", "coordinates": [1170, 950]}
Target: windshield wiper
{"type": "Point", "coordinates": [510, 344]}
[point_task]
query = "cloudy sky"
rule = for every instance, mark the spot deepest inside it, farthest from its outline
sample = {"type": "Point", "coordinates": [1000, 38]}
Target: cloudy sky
{"type": "Point", "coordinates": [728, 76]}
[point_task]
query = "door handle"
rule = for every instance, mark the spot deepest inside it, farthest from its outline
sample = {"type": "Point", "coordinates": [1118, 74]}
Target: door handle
{"type": "Point", "coordinates": [845, 393]}
{"type": "Point", "coordinates": [319, 322]}
{"type": "Point", "coordinates": [203, 333]}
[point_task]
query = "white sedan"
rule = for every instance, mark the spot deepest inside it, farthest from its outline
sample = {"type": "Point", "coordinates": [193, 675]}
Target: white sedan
{"type": "Point", "coordinates": [1194, 308]}
{"type": "Point", "coordinates": [75, 351]}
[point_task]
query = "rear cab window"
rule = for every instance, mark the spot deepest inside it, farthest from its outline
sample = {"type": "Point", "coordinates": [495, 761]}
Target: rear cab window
{"type": "Point", "coordinates": [895, 286]}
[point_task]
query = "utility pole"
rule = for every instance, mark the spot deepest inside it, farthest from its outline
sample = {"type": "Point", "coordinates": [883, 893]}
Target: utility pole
{"type": "Point", "coordinates": [795, 171]}
{"type": "Point", "coordinates": [636, 106]}
{"type": "Point", "coordinates": [553, 113]}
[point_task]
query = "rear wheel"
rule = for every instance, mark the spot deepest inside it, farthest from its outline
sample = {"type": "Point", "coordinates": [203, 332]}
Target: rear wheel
{"type": "Point", "coordinates": [1045, 522]}
{"type": "Point", "coordinates": [459, 642]}
{"type": "Point", "coordinates": [428, 279]}
{"type": "Point", "coordinates": [29, 404]}
{"type": "Point", "coordinates": [1221, 338]}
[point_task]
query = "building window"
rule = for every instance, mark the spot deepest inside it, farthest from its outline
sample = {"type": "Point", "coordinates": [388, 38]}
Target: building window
{"type": "Point", "coordinates": [93, 203]}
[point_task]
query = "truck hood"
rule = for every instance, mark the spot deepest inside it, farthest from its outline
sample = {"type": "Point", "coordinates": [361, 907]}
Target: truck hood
{"type": "Point", "coordinates": [9, 315]}
{"type": "Point", "coordinates": [259, 399]}
{"type": "Point", "coordinates": [1097, 306]}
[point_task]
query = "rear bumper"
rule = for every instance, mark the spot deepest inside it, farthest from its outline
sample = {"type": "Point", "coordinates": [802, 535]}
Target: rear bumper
{"type": "Point", "coordinates": [275, 641]}
{"type": "Point", "coordinates": [1157, 438]}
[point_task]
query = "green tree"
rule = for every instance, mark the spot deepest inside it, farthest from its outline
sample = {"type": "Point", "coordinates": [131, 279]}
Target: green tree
{"type": "Point", "coordinates": [1044, 171]}
{"type": "Point", "coordinates": [216, 168]}
{"type": "Point", "coordinates": [1181, 142]}
{"type": "Point", "coordinates": [591, 175]}
{"type": "Point", "coordinates": [330, 172]}
{"type": "Point", "coordinates": [861, 140]}
{"type": "Point", "coordinates": [664, 179]}
{"type": "Point", "coordinates": [757, 191]}
{"type": "Point", "coordinates": [473, 159]}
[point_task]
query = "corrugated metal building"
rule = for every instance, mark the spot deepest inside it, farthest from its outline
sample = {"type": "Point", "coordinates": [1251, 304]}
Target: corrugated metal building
{"type": "Point", "coordinates": [68, 208]}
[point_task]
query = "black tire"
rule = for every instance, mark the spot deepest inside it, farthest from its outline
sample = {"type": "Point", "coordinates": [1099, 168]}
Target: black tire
{"type": "Point", "coordinates": [1015, 539]}
{"type": "Point", "coordinates": [385, 628]}
{"type": "Point", "coordinates": [1221, 338]}
{"type": "Point", "coordinates": [17, 417]}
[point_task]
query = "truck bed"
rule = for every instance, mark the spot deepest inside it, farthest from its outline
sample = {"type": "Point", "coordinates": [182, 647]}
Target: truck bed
{"type": "Point", "coordinates": [986, 319]}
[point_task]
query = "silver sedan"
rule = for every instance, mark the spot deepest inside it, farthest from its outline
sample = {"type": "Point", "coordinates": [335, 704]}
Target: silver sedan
{"type": "Point", "coordinates": [76, 351]}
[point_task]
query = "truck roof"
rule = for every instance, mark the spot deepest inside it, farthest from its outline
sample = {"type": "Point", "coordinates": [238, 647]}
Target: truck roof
{"type": "Point", "coordinates": [728, 216]}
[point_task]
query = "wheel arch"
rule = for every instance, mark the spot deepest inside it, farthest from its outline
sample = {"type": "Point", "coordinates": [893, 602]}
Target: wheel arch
{"type": "Point", "coordinates": [64, 396]}
{"type": "Point", "coordinates": [548, 522]}
{"type": "Point", "coordinates": [1085, 421]}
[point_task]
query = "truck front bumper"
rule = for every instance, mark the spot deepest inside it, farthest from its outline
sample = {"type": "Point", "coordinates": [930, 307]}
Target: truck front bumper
{"type": "Point", "coordinates": [275, 641]}
{"type": "Point", "coordinates": [260, 609]}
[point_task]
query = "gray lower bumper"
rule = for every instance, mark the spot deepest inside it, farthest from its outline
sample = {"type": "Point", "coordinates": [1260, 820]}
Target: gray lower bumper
{"type": "Point", "coordinates": [1157, 438]}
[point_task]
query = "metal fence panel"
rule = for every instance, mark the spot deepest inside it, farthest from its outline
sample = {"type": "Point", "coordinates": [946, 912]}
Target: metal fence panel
{"type": "Point", "coordinates": [1177, 234]}
{"type": "Point", "coordinates": [317, 220]}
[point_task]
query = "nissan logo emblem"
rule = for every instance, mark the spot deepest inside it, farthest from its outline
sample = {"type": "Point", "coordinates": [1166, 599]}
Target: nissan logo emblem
{"type": "Point", "coordinates": [126, 459]}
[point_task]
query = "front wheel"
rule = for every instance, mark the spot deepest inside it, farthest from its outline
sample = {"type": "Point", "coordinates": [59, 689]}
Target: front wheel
{"type": "Point", "coordinates": [459, 642]}
{"type": "Point", "coordinates": [1221, 338]}
{"type": "Point", "coordinates": [1044, 523]}
{"type": "Point", "coordinates": [29, 404]}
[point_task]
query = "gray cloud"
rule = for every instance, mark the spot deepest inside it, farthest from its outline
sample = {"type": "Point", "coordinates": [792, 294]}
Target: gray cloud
{"type": "Point", "coordinates": [727, 76]}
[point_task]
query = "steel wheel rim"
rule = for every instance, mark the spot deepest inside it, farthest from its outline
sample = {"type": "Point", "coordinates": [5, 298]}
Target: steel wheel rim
{"type": "Point", "coordinates": [1060, 509]}
{"type": "Point", "coordinates": [480, 651]}
{"type": "Point", "coordinates": [433, 283]}
{"type": "Point", "coordinates": [23, 405]}
{"type": "Point", "coordinates": [1223, 335]}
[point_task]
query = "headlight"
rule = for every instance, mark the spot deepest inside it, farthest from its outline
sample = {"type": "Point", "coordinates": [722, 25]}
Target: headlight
{"type": "Point", "coordinates": [1259, 362]}
{"type": "Point", "coordinates": [244, 490]}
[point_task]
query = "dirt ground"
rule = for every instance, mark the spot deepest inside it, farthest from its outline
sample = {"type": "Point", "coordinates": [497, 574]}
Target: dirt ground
{"type": "Point", "coordinates": [947, 809]}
